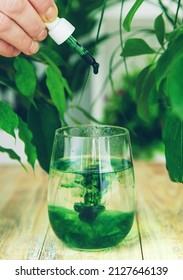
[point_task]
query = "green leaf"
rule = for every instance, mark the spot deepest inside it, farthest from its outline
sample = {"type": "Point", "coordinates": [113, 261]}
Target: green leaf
{"type": "Point", "coordinates": [144, 87]}
{"type": "Point", "coordinates": [173, 140]}
{"type": "Point", "coordinates": [56, 86]}
{"type": "Point", "coordinates": [128, 19]}
{"type": "Point", "coordinates": [159, 27]}
{"type": "Point", "coordinates": [25, 77]}
{"type": "Point", "coordinates": [168, 59]}
{"type": "Point", "coordinates": [8, 118]}
{"type": "Point", "coordinates": [26, 136]}
{"type": "Point", "coordinates": [11, 154]}
{"type": "Point", "coordinates": [49, 54]}
{"type": "Point", "coordinates": [43, 121]}
{"type": "Point", "coordinates": [170, 36]}
{"type": "Point", "coordinates": [174, 87]}
{"type": "Point", "coordinates": [67, 87]}
{"type": "Point", "coordinates": [136, 46]}
{"type": "Point", "coordinates": [53, 65]}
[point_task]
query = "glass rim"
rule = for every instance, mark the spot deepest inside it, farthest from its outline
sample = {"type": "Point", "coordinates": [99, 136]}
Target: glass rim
{"type": "Point", "coordinates": [124, 131]}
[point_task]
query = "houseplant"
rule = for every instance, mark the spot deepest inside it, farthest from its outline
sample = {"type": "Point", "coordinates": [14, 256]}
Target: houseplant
{"type": "Point", "coordinates": [160, 82]}
{"type": "Point", "coordinates": [120, 109]}
{"type": "Point", "coordinates": [41, 99]}
{"type": "Point", "coordinates": [158, 86]}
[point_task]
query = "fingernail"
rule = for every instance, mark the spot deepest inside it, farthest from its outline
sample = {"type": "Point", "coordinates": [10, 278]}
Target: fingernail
{"type": "Point", "coordinates": [51, 14]}
{"type": "Point", "coordinates": [16, 52]}
{"type": "Point", "coordinates": [42, 35]}
{"type": "Point", "coordinates": [34, 47]}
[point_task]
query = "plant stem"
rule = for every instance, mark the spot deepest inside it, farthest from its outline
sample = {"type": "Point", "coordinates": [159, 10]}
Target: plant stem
{"type": "Point", "coordinates": [164, 8]}
{"type": "Point", "coordinates": [105, 83]}
{"type": "Point", "coordinates": [96, 41]}
{"type": "Point", "coordinates": [73, 119]}
{"type": "Point", "coordinates": [100, 22]}
{"type": "Point", "coordinates": [177, 12]}
{"type": "Point", "coordinates": [121, 37]}
{"type": "Point", "coordinates": [111, 70]}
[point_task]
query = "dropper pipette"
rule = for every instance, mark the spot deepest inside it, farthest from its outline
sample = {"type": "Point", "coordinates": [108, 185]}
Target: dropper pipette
{"type": "Point", "coordinates": [60, 30]}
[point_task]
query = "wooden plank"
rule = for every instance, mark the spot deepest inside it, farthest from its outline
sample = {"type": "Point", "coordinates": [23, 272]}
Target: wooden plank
{"type": "Point", "coordinates": [23, 214]}
{"type": "Point", "coordinates": [160, 213]}
{"type": "Point", "coordinates": [129, 249]}
{"type": "Point", "coordinates": [24, 221]}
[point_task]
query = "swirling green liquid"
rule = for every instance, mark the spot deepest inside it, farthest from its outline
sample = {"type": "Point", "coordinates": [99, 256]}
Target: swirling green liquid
{"type": "Point", "coordinates": [88, 224]}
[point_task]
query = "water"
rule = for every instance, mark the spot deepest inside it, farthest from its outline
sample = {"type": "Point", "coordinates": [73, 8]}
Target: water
{"type": "Point", "coordinates": [91, 206]}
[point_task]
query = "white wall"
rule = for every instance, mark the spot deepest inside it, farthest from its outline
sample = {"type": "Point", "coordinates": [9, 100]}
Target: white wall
{"type": "Point", "coordinates": [9, 142]}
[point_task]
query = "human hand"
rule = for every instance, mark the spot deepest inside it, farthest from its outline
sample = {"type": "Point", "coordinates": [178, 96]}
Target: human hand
{"type": "Point", "coordinates": [22, 25]}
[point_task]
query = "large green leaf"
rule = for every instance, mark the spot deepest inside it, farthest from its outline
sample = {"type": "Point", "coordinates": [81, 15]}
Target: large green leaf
{"type": "Point", "coordinates": [159, 27]}
{"type": "Point", "coordinates": [174, 87]}
{"type": "Point", "coordinates": [173, 140]}
{"type": "Point", "coordinates": [54, 74]}
{"type": "Point", "coordinates": [56, 88]}
{"type": "Point", "coordinates": [168, 59]}
{"type": "Point", "coordinates": [43, 121]}
{"type": "Point", "coordinates": [11, 154]}
{"type": "Point", "coordinates": [128, 20]}
{"type": "Point", "coordinates": [8, 118]}
{"type": "Point", "coordinates": [26, 136]}
{"type": "Point", "coordinates": [25, 77]}
{"type": "Point", "coordinates": [146, 94]}
{"type": "Point", "coordinates": [136, 46]}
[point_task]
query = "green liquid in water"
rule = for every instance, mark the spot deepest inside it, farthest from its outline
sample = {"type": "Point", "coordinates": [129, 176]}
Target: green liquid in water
{"type": "Point", "coordinates": [88, 223]}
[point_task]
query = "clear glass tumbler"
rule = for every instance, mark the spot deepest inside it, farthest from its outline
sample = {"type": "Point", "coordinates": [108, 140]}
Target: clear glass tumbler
{"type": "Point", "coordinates": [91, 200]}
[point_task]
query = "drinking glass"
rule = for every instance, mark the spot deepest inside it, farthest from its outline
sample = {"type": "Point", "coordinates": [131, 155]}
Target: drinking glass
{"type": "Point", "coordinates": [91, 199]}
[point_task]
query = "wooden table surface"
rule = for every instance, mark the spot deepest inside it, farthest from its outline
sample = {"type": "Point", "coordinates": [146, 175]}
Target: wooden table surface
{"type": "Point", "coordinates": [157, 232]}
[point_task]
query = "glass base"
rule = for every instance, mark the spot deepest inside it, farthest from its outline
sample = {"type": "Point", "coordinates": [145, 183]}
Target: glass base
{"type": "Point", "coordinates": [107, 230]}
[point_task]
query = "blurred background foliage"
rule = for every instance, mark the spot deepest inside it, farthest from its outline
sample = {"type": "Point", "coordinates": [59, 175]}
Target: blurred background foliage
{"type": "Point", "coordinates": [121, 109]}
{"type": "Point", "coordinates": [43, 84]}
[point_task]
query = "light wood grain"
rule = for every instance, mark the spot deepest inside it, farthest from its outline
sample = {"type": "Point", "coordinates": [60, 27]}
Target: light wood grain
{"type": "Point", "coordinates": [23, 214]}
{"type": "Point", "coordinates": [25, 233]}
{"type": "Point", "coordinates": [160, 213]}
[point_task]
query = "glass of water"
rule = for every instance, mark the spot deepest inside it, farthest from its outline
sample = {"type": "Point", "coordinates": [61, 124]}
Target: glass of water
{"type": "Point", "coordinates": [91, 200]}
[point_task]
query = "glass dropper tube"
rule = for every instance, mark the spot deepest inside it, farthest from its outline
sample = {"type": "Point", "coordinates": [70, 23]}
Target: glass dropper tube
{"type": "Point", "coordinates": [71, 41]}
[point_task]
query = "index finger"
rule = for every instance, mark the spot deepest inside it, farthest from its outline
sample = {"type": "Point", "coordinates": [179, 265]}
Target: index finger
{"type": "Point", "coordinates": [24, 14]}
{"type": "Point", "coordinates": [47, 9]}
